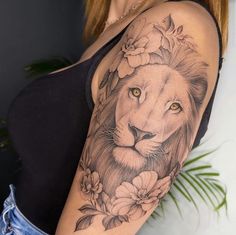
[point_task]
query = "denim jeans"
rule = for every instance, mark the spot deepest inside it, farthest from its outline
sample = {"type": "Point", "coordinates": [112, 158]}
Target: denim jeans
{"type": "Point", "coordinates": [13, 222]}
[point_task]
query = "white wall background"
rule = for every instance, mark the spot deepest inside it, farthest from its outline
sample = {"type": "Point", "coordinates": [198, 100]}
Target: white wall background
{"type": "Point", "coordinates": [221, 131]}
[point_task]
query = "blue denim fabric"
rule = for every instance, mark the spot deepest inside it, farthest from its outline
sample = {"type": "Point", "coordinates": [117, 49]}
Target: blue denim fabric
{"type": "Point", "coordinates": [13, 222]}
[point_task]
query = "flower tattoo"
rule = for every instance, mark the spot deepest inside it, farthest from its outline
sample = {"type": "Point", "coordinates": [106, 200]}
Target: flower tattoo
{"type": "Point", "coordinates": [136, 48]}
{"type": "Point", "coordinates": [131, 200]}
{"type": "Point", "coordinates": [90, 185]}
{"type": "Point", "coordinates": [136, 198]}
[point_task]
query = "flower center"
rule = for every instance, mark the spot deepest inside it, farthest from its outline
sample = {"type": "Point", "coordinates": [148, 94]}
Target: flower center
{"type": "Point", "coordinates": [131, 47]}
{"type": "Point", "coordinates": [142, 195]}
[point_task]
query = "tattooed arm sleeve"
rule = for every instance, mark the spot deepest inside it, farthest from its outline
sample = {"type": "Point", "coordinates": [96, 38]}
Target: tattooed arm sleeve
{"type": "Point", "coordinates": [150, 103]}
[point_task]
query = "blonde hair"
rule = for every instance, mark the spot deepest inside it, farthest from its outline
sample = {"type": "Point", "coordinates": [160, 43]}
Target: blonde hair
{"type": "Point", "coordinates": [96, 13]}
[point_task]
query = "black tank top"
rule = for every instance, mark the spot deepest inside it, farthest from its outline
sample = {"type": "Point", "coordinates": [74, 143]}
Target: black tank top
{"type": "Point", "coordinates": [48, 123]}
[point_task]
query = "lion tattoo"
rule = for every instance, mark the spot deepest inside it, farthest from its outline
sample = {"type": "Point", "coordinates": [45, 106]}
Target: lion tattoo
{"type": "Point", "coordinates": [151, 127]}
{"type": "Point", "coordinates": [143, 123]}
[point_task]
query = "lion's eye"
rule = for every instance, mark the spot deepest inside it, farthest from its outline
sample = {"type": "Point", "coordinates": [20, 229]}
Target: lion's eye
{"type": "Point", "coordinates": [175, 106]}
{"type": "Point", "coordinates": [135, 92]}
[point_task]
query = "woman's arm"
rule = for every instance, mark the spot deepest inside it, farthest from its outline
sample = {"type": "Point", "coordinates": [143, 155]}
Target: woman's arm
{"type": "Point", "coordinates": [150, 103]}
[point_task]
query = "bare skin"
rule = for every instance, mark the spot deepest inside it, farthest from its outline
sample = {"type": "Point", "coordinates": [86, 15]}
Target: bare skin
{"type": "Point", "coordinates": [117, 8]}
{"type": "Point", "coordinates": [106, 36]}
{"type": "Point", "coordinates": [150, 93]}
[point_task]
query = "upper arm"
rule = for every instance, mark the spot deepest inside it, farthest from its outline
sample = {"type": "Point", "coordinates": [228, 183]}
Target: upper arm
{"type": "Point", "coordinates": [150, 103]}
{"type": "Point", "coordinates": [166, 60]}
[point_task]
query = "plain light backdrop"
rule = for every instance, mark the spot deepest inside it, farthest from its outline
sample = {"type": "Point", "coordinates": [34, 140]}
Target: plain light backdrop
{"type": "Point", "coordinates": [221, 132]}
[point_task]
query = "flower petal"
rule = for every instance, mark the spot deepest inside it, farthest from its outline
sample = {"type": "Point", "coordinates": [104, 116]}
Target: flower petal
{"type": "Point", "coordinates": [149, 200]}
{"type": "Point", "coordinates": [99, 189]}
{"type": "Point", "coordinates": [134, 60]}
{"type": "Point", "coordinates": [155, 42]}
{"type": "Point", "coordinates": [166, 43]}
{"type": "Point", "coordinates": [125, 190]}
{"type": "Point", "coordinates": [145, 58]}
{"type": "Point", "coordinates": [136, 212]}
{"type": "Point", "coordinates": [149, 206]}
{"type": "Point", "coordinates": [154, 192]}
{"type": "Point", "coordinates": [163, 181]}
{"type": "Point", "coordinates": [163, 193]}
{"type": "Point", "coordinates": [148, 29]}
{"type": "Point", "coordinates": [164, 185]}
{"type": "Point", "coordinates": [95, 178]}
{"type": "Point", "coordinates": [122, 206]}
{"type": "Point", "coordinates": [137, 51]}
{"type": "Point", "coordinates": [141, 42]}
{"type": "Point", "coordinates": [124, 69]}
{"type": "Point", "coordinates": [123, 200]}
{"type": "Point", "coordinates": [137, 181]}
{"type": "Point", "coordinates": [145, 180]}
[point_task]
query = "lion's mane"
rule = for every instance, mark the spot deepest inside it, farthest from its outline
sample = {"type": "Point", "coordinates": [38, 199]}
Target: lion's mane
{"type": "Point", "coordinates": [184, 60]}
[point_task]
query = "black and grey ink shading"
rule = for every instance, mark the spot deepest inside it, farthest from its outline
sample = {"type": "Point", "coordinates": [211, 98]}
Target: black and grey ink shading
{"type": "Point", "coordinates": [142, 126]}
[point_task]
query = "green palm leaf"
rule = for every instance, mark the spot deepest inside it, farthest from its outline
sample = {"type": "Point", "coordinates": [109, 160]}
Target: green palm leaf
{"type": "Point", "coordinates": [45, 66]}
{"type": "Point", "coordinates": [175, 202]}
{"type": "Point", "coordinates": [198, 179]}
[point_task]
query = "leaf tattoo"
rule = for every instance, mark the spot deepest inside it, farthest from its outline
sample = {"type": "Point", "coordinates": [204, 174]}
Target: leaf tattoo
{"type": "Point", "coordinates": [84, 222]}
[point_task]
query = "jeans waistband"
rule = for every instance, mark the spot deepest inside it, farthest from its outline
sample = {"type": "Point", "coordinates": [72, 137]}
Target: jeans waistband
{"type": "Point", "coordinates": [11, 211]}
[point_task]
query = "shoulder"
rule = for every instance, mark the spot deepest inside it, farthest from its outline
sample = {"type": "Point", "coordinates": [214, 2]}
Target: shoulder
{"type": "Point", "coordinates": [191, 16]}
{"type": "Point", "coordinates": [184, 12]}
{"type": "Point", "coordinates": [195, 20]}
{"type": "Point", "coordinates": [180, 20]}
{"type": "Point", "coordinates": [180, 35]}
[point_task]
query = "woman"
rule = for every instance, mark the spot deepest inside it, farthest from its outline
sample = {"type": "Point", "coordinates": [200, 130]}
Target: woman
{"type": "Point", "coordinates": [126, 116]}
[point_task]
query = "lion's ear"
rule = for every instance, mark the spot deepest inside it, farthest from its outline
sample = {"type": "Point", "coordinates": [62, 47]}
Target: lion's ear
{"type": "Point", "coordinates": [198, 87]}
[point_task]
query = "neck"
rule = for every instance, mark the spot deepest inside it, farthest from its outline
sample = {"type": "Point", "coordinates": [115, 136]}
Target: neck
{"type": "Point", "coordinates": [119, 8]}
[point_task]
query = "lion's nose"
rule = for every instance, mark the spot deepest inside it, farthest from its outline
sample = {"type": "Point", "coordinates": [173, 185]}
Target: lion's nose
{"type": "Point", "coordinates": [140, 134]}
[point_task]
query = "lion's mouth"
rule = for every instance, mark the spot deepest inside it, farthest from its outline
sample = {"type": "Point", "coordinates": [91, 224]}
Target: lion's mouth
{"type": "Point", "coordinates": [129, 157]}
{"type": "Point", "coordinates": [136, 150]}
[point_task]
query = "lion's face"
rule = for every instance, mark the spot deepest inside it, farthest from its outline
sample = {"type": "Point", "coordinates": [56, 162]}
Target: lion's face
{"type": "Point", "coordinates": [148, 111]}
